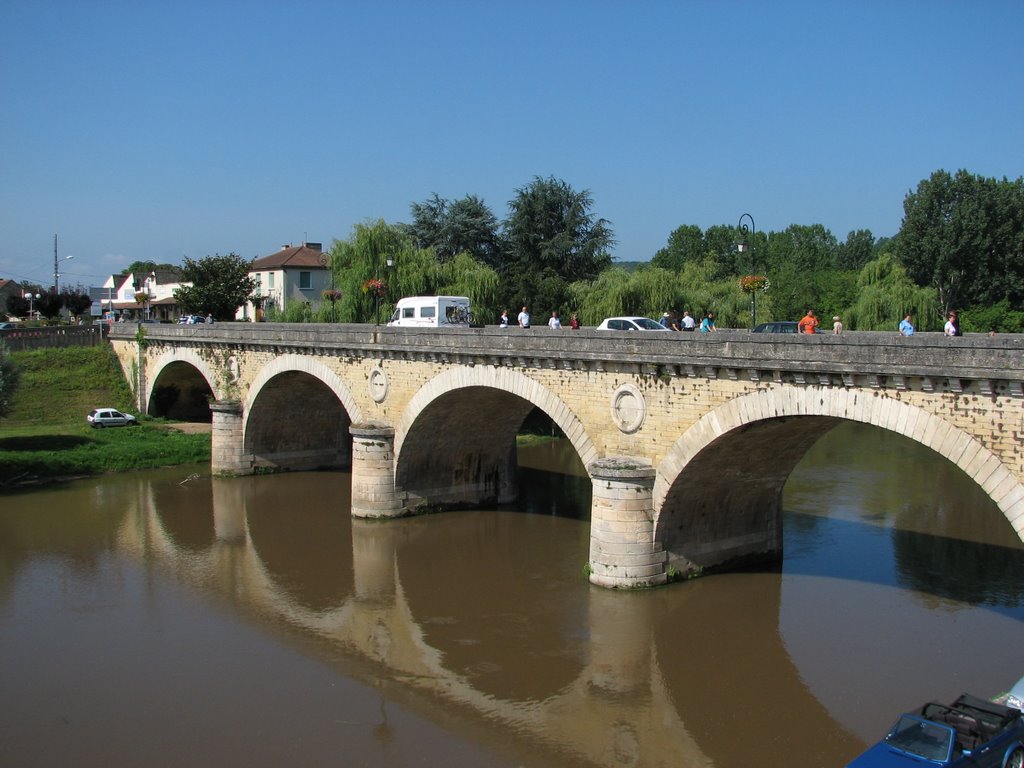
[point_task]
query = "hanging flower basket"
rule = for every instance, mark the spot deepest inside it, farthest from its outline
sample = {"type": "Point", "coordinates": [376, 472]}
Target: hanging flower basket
{"type": "Point", "coordinates": [754, 284]}
{"type": "Point", "coordinates": [331, 294]}
{"type": "Point", "coordinates": [376, 286]}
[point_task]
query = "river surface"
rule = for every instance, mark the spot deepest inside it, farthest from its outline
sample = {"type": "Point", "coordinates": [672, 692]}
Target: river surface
{"type": "Point", "coordinates": [169, 618]}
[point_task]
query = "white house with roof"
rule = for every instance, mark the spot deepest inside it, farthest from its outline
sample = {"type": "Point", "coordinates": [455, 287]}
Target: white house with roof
{"type": "Point", "coordinates": [118, 295]}
{"type": "Point", "coordinates": [296, 273]}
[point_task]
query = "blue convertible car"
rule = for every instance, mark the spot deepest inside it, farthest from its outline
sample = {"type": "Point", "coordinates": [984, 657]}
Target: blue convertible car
{"type": "Point", "coordinates": [969, 732]}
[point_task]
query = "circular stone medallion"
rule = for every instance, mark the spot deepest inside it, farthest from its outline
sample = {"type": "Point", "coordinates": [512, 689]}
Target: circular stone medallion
{"type": "Point", "coordinates": [628, 408]}
{"type": "Point", "coordinates": [378, 384]}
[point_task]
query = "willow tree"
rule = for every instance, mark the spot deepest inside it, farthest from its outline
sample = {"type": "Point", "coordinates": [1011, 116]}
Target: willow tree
{"type": "Point", "coordinates": [885, 294]}
{"type": "Point", "coordinates": [370, 287]}
{"type": "Point", "coordinates": [605, 296]}
{"type": "Point", "coordinates": [361, 270]}
{"type": "Point", "coordinates": [466, 276]}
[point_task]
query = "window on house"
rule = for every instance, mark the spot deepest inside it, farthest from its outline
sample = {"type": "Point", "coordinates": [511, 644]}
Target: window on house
{"type": "Point", "coordinates": [305, 281]}
{"type": "Point", "coordinates": [270, 280]}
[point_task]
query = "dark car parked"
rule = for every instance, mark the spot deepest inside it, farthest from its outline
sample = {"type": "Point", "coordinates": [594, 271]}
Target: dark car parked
{"type": "Point", "coordinates": [780, 326]}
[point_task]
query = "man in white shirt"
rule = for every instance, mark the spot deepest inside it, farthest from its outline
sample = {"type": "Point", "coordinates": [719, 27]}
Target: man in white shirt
{"type": "Point", "coordinates": [688, 322]}
{"type": "Point", "coordinates": [524, 319]}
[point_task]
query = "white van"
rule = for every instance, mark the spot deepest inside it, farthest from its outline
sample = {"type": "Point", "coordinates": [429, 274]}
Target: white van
{"type": "Point", "coordinates": [431, 311]}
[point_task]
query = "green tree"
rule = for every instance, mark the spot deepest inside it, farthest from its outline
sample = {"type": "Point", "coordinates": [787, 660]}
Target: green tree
{"type": "Point", "coordinates": [219, 286]}
{"type": "Point", "coordinates": [885, 294]}
{"type": "Point", "coordinates": [553, 239]}
{"type": "Point", "coordinates": [857, 250]}
{"type": "Point", "coordinates": [9, 377]}
{"type": "Point", "coordinates": [685, 243]}
{"type": "Point", "coordinates": [452, 227]}
{"type": "Point", "coordinates": [963, 235]}
{"type": "Point", "coordinates": [466, 276]}
{"type": "Point", "coordinates": [75, 301]}
{"type": "Point", "coordinates": [49, 304]}
{"type": "Point", "coordinates": [800, 261]}
{"type": "Point", "coordinates": [720, 243]}
{"type": "Point", "coordinates": [363, 257]}
{"type": "Point", "coordinates": [143, 268]}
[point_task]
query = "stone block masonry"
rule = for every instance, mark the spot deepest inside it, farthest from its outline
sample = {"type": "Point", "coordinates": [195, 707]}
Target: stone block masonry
{"type": "Point", "coordinates": [431, 416]}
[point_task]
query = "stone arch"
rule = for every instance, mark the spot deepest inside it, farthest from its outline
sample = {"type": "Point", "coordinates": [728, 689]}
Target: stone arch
{"type": "Point", "coordinates": [455, 441]}
{"type": "Point", "coordinates": [506, 380]}
{"type": "Point", "coordinates": [783, 409]}
{"type": "Point", "coordinates": [296, 416]}
{"type": "Point", "coordinates": [312, 366]}
{"type": "Point", "coordinates": [169, 357]}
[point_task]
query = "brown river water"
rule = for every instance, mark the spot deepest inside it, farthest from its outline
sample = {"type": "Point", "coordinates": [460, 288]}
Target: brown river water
{"type": "Point", "coordinates": [168, 618]}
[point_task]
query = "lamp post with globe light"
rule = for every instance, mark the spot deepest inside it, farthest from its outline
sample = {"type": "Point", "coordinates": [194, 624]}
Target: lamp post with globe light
{"type": "Point", "coordinates": [748, 245]}
{"type": "Point", "coordinates": [32, 298]}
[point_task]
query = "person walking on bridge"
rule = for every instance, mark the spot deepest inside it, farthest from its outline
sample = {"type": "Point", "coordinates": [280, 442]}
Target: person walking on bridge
{"type": "Point", "coordinates": [524, 318]}
{"type": "Point", "coordinates": [808, 323]}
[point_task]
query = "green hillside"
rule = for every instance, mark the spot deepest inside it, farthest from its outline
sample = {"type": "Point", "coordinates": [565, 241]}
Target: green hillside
{"type": "Point", "coordinates": [45, 436]}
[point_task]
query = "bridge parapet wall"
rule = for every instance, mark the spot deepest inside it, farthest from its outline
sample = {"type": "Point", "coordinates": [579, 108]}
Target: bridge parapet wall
{"type": "Point", "coordinates": [868, 357]}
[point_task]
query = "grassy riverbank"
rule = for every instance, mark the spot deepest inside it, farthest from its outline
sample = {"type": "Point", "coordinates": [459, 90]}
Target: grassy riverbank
{"type": "Point", "coordinates": [46, 436]}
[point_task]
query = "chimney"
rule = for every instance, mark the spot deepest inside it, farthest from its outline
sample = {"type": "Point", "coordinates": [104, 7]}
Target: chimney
{"type": "Point", "coordinates": [318, 247]}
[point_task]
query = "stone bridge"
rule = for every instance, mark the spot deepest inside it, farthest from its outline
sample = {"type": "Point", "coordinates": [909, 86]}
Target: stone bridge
{"type": "Point", "coordinates": [688, 438]}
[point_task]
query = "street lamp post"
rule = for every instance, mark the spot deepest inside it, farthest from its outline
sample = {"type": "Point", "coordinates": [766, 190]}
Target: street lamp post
{"type": "Point", "coordinates": [32, 297]}
{"type": "Point", "coordinates": [389, 262]}
{"type": "Point", "coordinates": [328, 261]}
{"type": "Point", "coordinates": [744, 246]}
{"type": "Point", "coordinates": [56, 267]}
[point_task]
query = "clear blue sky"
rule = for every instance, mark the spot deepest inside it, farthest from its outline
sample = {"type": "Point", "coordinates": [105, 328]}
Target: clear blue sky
{"type": "Point", "coordinates": [157, 130]}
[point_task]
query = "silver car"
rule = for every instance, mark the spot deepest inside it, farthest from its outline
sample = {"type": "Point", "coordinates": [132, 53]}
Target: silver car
{"type": "Point", "coordinates": [109, 417]}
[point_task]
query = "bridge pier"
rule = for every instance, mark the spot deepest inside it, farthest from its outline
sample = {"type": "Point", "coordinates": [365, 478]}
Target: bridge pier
{"type": "Point", "coordinates": [623, 550]}
{"type": "Point", "coordinates": [226, 448]}
{"type": "Point", "coordinates": [373, 471]}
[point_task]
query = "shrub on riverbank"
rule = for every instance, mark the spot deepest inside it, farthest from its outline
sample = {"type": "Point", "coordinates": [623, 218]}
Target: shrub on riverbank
{"type": "Point", "coordinates": [46, 435]}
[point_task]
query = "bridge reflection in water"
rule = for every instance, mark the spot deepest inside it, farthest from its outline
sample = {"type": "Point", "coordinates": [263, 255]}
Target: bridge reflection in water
{"type": "Point", "coordinates": [483, 622]}
{"type": "Point", "coordinates": [650, 678]}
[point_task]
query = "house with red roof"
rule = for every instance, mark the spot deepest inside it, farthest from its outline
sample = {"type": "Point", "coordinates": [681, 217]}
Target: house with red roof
{"type": "Point", "coordinates": [295, 273]}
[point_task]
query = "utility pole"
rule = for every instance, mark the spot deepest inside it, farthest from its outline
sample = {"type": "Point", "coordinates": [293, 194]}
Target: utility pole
{"type": "Point", "coordinates": [56, 274]}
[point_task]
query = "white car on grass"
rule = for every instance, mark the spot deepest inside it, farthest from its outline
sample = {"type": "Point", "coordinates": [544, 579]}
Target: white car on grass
{"type": "Point", "coordinates": [109, 417]}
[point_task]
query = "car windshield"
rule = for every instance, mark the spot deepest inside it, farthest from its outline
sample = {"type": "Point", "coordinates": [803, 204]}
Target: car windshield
{"type": "Point", "coordinates": [648, 325]}
{"type": "Point", "coordinates": [921, 738]}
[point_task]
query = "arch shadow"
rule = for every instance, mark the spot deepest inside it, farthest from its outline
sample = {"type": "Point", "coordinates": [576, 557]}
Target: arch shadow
{"type": "Point", "coordinates": [297, 415]}
{"type": "Point", "coordinates": [455, 443]}
{"type": "Point", "coordinates": [182, 387]}
{"type": "Point", "coordinates": [718, 491]}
